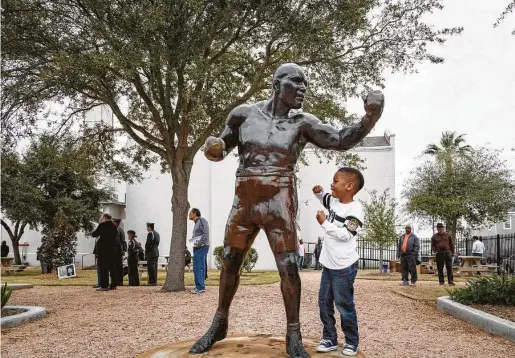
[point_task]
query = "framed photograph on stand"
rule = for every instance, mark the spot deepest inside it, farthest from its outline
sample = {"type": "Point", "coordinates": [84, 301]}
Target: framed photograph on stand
{"type": "Point", "coordinates": [66, 271]}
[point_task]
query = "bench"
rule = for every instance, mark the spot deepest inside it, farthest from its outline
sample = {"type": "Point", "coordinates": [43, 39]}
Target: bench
{"type": "Point", "coordinates": [13, 269]}
{"type": "Point", "coordinates": [489, 269]}
{"type": "Point", "coordinates": [142, 267]}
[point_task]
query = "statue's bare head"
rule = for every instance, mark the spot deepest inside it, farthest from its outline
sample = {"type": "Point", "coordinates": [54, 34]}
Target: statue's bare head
{"type": "Point", "coordinates": [290, 84]}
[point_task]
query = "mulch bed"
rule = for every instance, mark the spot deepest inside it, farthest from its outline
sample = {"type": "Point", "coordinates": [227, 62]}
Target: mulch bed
{"type": "Point", "coordinates": [506, 312]}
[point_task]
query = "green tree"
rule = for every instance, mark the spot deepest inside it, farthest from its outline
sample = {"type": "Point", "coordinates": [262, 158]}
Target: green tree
{"type": "Point", "coordinates": [21, 200]}
{"type": "Point", "coordinates": [55, 175]}
{"type": "Point", "coordinates": [380, 221]}
{"type": "Point", "coordinates": [479, 190]}
{"type": "Point", "coordinates": [171, 71]}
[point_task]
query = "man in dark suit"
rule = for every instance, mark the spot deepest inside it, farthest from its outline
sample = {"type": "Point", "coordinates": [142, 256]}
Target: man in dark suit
{"type": "Point", "coordinates": [106, 252]}
{"type": "Point", "coordinates": [152, 254]}
{"type": "Point", "coordinates": [121, 249]}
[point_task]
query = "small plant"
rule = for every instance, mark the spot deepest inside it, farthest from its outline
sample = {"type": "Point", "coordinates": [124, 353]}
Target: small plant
{"type": "Point", "coordinates": [6, 294]}
{"type": "Point", "coordinates": [493, 290]}
{"type": "Point", "coordinates": [219, 257]}
{"type": "Point", "coordinates": [248, 263]}
{"type": "Point", "coordinates": [250, 260]}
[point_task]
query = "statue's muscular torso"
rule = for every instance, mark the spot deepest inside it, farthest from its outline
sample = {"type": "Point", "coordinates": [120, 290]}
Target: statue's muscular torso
{"type": "Point", "coordinates": [270, 145]}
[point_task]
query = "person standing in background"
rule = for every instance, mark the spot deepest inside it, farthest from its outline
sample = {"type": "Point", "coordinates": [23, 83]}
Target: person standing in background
{"type": "Point", "coordinates": [133, 248]}
{"type": "Point", "coordinates": [200, 240]}
{"type": "Point", "coordinates": [121, 249]}
{"type": "Point", "coordinates": [152, 253]}
{"type": "Point", "coordinates": [443, 245]}
{"type": "Point", "coordinates": [5, 249]}
{"type": "Point", "coordinates": [301, 252]}
{"type": "Point", "coordinates": [106, 252]}
{"type": "Point", "coordinates": [407, 252]}
{"type": "Point", "coordinates": [316, 253]}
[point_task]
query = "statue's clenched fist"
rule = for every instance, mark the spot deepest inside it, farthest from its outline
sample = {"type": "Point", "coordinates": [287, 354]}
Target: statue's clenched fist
{"type": "Point", "coordinates": [374, 104]}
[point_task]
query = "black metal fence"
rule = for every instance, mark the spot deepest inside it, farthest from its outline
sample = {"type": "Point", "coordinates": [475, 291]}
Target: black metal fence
{"type": "Point", "coordinates": [499, 249]}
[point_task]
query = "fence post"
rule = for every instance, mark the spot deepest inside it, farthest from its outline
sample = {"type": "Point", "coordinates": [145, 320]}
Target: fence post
{"type": "Point", "coordinates": [498, 244]}
{"type": "Point", "coordinates": [466, 246]}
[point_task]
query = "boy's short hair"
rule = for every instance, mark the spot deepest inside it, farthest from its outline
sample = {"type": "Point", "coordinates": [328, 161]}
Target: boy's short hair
{"type": "Point", "coordinates": [357, 177]}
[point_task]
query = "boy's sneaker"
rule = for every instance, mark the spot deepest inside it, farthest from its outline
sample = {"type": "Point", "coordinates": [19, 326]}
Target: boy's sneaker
{"type": "Point", "coordinates": [326, 345]}
{"type": "Point", "coordinates": [195, 291]}
{"type": "Point", "coordinates": [404, 283]}
{"type": "Point", "coordinates": [349, 350]}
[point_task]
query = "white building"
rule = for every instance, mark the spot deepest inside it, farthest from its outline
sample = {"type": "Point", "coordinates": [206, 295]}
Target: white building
{"type": "Point", "coordinates": [211, 190]}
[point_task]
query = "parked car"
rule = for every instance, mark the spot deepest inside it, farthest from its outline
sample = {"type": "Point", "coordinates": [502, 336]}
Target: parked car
{"type": "Point", "coordinates": [508, 264]}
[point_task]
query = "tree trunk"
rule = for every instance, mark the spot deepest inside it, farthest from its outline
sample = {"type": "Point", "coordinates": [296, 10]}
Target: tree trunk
{"type": "Point", "coordinates": [16, 251]}
{"type": "Point", "coordinates": [452, 227]}
{"type": "Point", "coordinates": [180, 206]}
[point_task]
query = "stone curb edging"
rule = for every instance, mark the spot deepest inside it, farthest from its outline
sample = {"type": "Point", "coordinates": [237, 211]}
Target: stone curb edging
{"type": "Point", "coordinates": [483, 320]}
{"type": "Point", "coordinates": [19, 286]}
{"type": "Point", "coordinates": [33, 313]}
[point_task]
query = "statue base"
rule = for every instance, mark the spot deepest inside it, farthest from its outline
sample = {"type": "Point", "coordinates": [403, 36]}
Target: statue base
{"type": "Point", "coordinates": [248, 346]}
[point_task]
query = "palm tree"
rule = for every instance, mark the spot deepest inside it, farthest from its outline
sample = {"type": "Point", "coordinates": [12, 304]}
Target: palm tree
{"type": "Point", "coordinates": [451, 147]}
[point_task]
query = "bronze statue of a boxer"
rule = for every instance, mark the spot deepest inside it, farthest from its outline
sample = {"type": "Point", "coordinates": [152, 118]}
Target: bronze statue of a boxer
{"type": "Point", "coordinates": [270, 140]}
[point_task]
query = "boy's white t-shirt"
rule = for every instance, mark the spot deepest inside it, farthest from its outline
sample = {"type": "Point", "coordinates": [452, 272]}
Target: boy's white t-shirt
{"type": "Point", "coordinates": [342, 225]}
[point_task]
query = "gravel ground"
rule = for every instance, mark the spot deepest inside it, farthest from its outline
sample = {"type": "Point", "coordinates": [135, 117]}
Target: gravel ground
{"type": "Point", "coordinates": [130, 320]}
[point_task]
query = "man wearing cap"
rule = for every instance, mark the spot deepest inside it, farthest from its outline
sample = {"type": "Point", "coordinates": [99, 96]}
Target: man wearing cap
{"type": "Point", "coordinates": [152, 253]}
{"type": "Point", "coordinates": [133, 248]}
{"type": "Point", "coordinates": [443, 245]}
{"type": "Point", "coordinates": [407, 252]}
{"type": "Point", "coordinates": [121, 249]}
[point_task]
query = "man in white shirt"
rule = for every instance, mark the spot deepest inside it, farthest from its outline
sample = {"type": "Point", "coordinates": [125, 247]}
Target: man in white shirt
{"type": "Point", "coordinates": [301, 255]}
{"type": "Point", "coordinates": [340, 259]}
{"type": "Point", "coordinates": [478, 248]}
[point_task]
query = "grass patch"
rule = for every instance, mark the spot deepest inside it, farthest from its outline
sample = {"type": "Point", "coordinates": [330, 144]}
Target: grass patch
{"type": "Point", "coordinates": [31, 275]}
{"type": "Point", "coordinates": [421, 293]}
{"type": "Point", "coordinates": [490, 290]}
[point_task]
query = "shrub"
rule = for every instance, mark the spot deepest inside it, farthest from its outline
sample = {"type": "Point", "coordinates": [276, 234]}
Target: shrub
{"type": "Point", "coordinates": [493, 290]}
{"type": "Point", "coordinates": [250, 260]}
{"type": "Point", "coordinates": [248, 263]}
{"type": "Point", "coordinates": [219, 257]}
{"type": "Point", "coordinates": [6, 294]}
{"type": "Point", "coordinates": [59, 242]}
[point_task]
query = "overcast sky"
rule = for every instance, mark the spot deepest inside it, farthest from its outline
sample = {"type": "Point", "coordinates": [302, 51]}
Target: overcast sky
{"type": "Point", "coordinates": [472, 92]}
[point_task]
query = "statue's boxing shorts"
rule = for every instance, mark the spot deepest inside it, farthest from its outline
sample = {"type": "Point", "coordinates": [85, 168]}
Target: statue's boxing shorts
{"type": "Point", "coordinates": [263, 202]}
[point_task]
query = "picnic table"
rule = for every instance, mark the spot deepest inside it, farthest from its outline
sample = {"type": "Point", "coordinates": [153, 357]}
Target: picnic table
{"type": "Point", "coordinates": [469, 265]}
{"type": "Point", "coordinates": [8, 268]}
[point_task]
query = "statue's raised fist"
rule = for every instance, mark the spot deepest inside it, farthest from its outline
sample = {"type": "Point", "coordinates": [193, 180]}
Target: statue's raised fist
{"type": "Point", "coordinates": [374, 104]}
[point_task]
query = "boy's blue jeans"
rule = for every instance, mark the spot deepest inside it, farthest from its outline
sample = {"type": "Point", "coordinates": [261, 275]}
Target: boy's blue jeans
{"type": "Point", "coordinates": [200, 266]}
{"type": "Point", "coordinates": [337, 287]}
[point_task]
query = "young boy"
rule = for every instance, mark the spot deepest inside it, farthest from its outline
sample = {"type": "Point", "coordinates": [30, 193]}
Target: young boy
{"type": "Point", "coordinates": [340, 259]}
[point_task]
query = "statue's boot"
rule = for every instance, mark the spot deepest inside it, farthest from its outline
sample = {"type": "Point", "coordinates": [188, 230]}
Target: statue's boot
{"type": "Point", "coordinates": [294, 346]}
{"type": "Point", "coordinates": [215, 333]}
